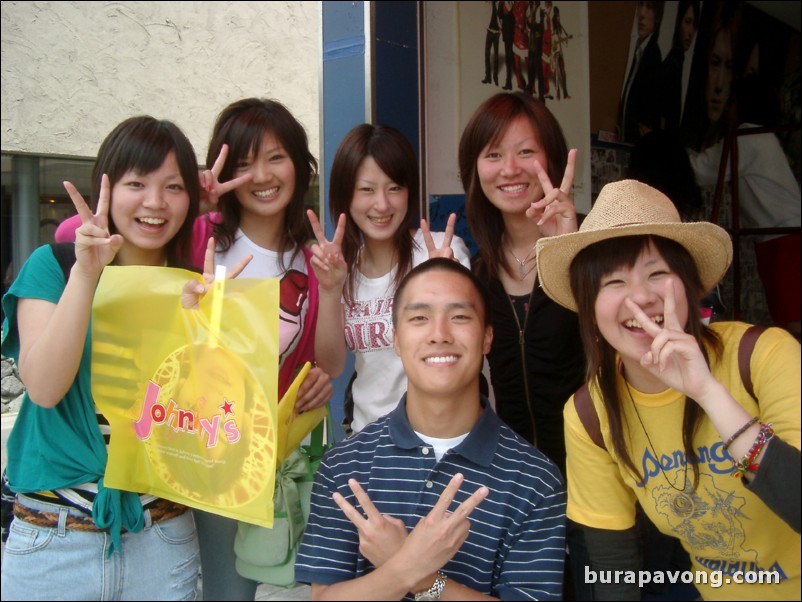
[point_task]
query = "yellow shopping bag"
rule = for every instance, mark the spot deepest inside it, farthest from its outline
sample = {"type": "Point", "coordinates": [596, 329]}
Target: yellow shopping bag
{"type": "Point", "coordinates": [190, 395]}
{"type": "Point", "coordinates": [292, 426]}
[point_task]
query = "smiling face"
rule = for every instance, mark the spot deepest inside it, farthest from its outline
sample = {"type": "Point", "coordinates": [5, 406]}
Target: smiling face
{"type": "Point", "coordinates": [273, 183]}
{"type": "Point", "coordinates": [441, 336]}
{"type": "Point", "coordinates": [378, 205]}
{"type": "Point", "coordinates": [506, 169]}
{"type": "Point", "coordinates": [148, 210]}
{"type": "Point", "coordinates": [645, 284]}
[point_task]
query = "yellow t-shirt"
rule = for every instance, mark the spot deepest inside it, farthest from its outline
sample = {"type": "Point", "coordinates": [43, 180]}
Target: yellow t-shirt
{"type": "Point", "coordinates": [723, 525]}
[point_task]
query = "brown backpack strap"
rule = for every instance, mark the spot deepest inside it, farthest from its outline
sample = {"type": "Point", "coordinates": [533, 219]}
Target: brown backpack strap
{"type": "Point", "coordinates": [588, 416]}
{"type": "Point", "coordinates": [745, 349]}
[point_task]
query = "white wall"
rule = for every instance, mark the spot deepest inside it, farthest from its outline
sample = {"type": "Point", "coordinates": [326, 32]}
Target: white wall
{"type": "Point", "coordinates": [72, 70]}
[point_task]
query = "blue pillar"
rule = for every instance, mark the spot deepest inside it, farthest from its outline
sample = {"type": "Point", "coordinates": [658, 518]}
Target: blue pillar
{"type": "Point", "coordinates": [370, 73]}
{"type": "Point", "coordinates": [345, 103]}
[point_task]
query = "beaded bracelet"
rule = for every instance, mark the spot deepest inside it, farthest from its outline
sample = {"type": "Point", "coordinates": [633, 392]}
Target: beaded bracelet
{"type": "Point", "coordinates": [740, 432]}
{"type": "Point", "coordinates": [747, 463]}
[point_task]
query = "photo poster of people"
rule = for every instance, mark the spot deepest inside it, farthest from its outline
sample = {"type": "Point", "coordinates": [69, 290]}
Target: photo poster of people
{"type": "Point", "coordinates": [684, 56]}
{"type": "Point", "coordinates": [477, 49]}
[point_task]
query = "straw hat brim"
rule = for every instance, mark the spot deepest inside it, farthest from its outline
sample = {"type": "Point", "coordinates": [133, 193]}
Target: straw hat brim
{"type": "Point", "coordinates": [709, 245]}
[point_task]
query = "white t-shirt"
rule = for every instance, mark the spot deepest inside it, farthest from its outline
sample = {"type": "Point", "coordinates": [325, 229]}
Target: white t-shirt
{"type": "Point", "coordinates": [441, 446]}
{"type": "Point", "coordinates": [294, 286]}
{"type": "Point", "coordinates": [768, 191]}
{"type": "Point", "coordinates": [380, 380]}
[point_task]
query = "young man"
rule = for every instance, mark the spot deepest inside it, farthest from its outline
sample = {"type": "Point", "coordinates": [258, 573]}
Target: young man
{"type": "Point", "coordinates": [438, 499]}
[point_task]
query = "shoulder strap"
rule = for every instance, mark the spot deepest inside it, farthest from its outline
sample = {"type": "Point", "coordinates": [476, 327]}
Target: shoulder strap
{"type": "Point", "coordinates": [305, 350]}
{"type": "Point", "coordinates": [590, 419]}
{"type": "Point", "coordinates": [588, 416]}
{"type": "Point", "coordinates": [745, 349]}
{"type": "Point", "coordinates": [64, 252]}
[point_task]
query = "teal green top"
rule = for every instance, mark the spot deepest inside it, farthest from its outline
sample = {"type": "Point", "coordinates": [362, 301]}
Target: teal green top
{"type": "Point", "coordinates": [61, 447]}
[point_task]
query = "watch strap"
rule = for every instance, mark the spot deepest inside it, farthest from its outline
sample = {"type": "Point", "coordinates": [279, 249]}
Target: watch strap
{"type": "Point", "coordinates": [434, 592]}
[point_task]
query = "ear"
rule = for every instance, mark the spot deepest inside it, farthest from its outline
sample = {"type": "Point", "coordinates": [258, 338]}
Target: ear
{"type": "Point", "coordinates": [488, 341]}
{"type": "Point", "coordinates": [396, 343]}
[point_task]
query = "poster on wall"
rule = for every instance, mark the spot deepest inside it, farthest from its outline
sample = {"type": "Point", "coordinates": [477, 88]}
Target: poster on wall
{"type": "Point", "coordinates": [695, 72]}
{"type": "Point", "coordinates": [683, 59]}
{"type": "Point", "coordinates": [477, 49]}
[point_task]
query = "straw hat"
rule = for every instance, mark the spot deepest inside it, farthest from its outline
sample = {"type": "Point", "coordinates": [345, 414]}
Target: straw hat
{"type": "Point", "coordinates": [629, 208]}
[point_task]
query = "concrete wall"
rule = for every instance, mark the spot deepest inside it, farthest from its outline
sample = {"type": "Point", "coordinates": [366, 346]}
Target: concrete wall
{"type": "Point", "coordinates": [72, 70]}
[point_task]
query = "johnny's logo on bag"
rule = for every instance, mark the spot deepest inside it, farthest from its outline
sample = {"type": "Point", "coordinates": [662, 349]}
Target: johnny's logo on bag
{"type": "Point", "coordinates": [183, 420]}
{"type": "Point", "coordinates": [201, 403]}
{"type": "Point", "coordinates": [196, 393]}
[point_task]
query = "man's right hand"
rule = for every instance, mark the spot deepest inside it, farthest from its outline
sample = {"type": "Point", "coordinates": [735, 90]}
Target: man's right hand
{"type": "Point", "coordinates": [440, 534]}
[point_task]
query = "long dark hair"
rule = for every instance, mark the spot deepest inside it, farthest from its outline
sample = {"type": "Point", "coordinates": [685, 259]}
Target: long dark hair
{"type": "Point", "coordinates": [587, 271]}
{"type": "Point", "coordinates": [242, 125]}
{"type": "Point", "coordinates": [395, 156]}
{"type": "Point", "coordinates": [487, 126]}
{"type": "Point", "coordinates": [141, 144]}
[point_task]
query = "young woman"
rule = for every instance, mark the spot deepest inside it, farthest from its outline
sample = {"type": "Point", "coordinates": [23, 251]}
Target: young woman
{"type": "Point", "coordinates": [260, 153]}
{"type": "Point", "coordinates": [674, 421]}
{"type": "Point", "coordinates": [261, 145]}
{"type": "Point", "coordinates": [71, 534]}
{"type": "Point", "coordinates": [510, 152]}
{"type": "Point", "coordinates": [374, 190]}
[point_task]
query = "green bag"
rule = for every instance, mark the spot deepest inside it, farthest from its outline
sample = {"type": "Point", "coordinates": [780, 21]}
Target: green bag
{"type": "Point", "coordinates": [268, 555]}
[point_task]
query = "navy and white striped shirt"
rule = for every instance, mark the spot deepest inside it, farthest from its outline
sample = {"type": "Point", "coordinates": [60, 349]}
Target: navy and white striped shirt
{"type": "Point", "coordinates": [516, 546]}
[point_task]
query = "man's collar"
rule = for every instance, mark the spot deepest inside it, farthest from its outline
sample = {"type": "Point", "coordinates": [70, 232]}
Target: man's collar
{"type": "Point", "coordinates": [478, 447]}
{"type": "Point", "coordinates": [642, 43]}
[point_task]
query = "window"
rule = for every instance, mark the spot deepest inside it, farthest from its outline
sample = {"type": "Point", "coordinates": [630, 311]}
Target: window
{"type": "Point", "coordinates": [34, 202]}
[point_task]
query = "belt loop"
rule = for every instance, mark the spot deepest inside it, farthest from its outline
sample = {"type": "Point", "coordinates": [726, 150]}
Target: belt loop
{"type": "Point", "coordinates": [148, 521]}
{"type": "Point", "coordinates": [62, 521]}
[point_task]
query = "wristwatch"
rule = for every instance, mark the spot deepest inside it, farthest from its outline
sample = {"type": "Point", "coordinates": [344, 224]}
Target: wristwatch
{"type": "Point", "coordinates": [433, 593]}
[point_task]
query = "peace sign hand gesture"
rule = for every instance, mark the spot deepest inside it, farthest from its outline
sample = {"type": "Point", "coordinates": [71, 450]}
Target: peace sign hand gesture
{"type": "Point", "coordinates": [211, 187]}
{"type": "Point", "coordinates": [95, 247]}
{"type": "Point", "coordinates": [674, 356]}
{"type": "Point", "coordinates": [327, 255]}
{"type": "Point", "coordinates": [555, 213]}
{"type": "Point", "coordinates": [445, 249]}
{"type": "Point", "coordinates": [194, 290]}
{"type": "Point", "coordinates": [440, 534]}
{"type": "Point", "coordinates": [380, 535]}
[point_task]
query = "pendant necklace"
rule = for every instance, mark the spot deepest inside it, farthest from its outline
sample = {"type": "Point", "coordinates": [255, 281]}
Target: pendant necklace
{"type": "Point", "coordinates": [683, 503]}
{"type": "Point", "coordinates": [522, 271]}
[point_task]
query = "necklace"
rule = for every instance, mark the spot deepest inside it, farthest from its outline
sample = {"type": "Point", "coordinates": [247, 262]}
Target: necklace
{"type": "Point", "coordinates": [522, 271]}
{"type": "Point", "coordinates": [683, 503]}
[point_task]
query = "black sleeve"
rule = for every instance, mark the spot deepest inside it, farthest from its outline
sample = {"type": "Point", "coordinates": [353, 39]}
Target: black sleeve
{"type": "Point", "coordinates": [593, 550]}
{"type": "Point", "coordinates": [777, 482]}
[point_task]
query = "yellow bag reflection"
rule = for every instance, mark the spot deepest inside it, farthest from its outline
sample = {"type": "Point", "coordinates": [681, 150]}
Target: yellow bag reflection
{"type": "Point", "coordinates": [190, 395]}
